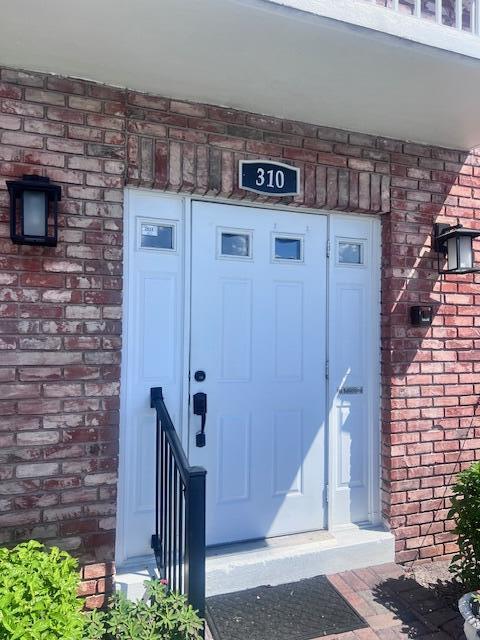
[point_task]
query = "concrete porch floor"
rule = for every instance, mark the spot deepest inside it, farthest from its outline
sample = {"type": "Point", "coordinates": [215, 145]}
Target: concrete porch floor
{"type": "Point", "coordinates": [400, 603]}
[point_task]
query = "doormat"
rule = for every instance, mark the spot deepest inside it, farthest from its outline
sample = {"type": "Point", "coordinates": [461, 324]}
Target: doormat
{"type": "Point", "coordinates": [302, 610]}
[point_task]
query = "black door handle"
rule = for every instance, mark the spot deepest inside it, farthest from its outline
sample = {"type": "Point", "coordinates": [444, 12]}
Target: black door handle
{"type": "Point", "coordinates": [200, 409]}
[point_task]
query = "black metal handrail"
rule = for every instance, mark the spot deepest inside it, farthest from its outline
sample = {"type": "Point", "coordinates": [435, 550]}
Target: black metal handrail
{"type": "Point", "coordinates": [179, 538]}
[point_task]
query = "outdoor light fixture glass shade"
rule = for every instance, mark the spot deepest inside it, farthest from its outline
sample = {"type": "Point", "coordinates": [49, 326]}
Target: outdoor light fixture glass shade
{"type": "Point", "coordinates": [35, 213]}
{"type": "Point", "coordinates": [34, 210]}
{"type": "Point", "coordinates": [456, 244]}
{"type": "Point", "coordinates": [460, 253]}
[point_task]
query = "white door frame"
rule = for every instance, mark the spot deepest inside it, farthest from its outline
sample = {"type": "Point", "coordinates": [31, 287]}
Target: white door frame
{"type": "Point", "coordinates": [374, 402]}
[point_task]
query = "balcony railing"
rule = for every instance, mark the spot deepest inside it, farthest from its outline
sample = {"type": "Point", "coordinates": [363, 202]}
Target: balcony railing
{"type": "Point", "coordinates": [462, 15]}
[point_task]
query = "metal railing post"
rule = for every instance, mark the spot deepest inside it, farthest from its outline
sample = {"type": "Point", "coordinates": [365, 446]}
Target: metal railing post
{"type": "Point", "coordinates": [195, 540]}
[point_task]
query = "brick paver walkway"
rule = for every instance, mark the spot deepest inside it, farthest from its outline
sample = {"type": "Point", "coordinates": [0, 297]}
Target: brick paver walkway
{"type": "Point", "coordinates": [396, 606]}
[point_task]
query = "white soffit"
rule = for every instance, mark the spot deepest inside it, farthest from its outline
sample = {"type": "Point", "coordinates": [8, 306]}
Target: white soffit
{"type": "Point", "coordinates": [254, 55]}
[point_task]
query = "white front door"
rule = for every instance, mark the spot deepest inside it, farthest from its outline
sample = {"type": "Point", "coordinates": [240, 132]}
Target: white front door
{"type": "Point", "coordinates": [240, 293]}
{"type": "Point", "coordinates": [258, 332]}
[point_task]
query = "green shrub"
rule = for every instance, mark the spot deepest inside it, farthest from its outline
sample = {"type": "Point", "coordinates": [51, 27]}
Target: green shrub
{"type": "Point", "coordinates": [162, 616]}
{"type": "Point", "coordinates": [38, 601]}
{"type": "Point", "coordinates": [465, 511]}
{"type": "Point", "coordinates": [38, 594]}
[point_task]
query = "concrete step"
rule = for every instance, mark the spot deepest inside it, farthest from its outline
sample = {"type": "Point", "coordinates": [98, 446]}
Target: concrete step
{"type": "Point", "coordinates": [291, 558]}
{"type": "Point", "coordinates": [132, 575]}
{"type": "Point", "coordinates": [275, 561]}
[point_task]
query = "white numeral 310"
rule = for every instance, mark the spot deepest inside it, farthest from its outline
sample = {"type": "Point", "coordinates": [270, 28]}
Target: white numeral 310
{"type": "Point", "coordinates": [271, 178]}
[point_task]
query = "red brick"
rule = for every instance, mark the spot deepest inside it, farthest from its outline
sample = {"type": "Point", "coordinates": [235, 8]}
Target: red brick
{"type": "Point", "coordinates": [95, 602]}
{"type": "Point", "coordinates": [65, 85]}
{"type": "Point", "coordinates": [98, 570]}
{"type": "Point", "coordinates": [19, 391]}
{"type": "Point", "coordinates": [10, 122]}
{"type": "Point", "coordinates": [87, 588]}
{"type": "Point", "coordinates": [65, 146]}
{"type": "Point", "coordinates": [332, 159]}
{"type": "Point", "coordinates": [9, 91]}
{"type": "Point", "coordinates": [21, 139]}
{"type": "Point", "coordinates": [36, 470]}
{"type": "Point", "coordinates": [86, 104]}
{"type": "Point", "coordinates": [46, 97]}
{"type": "Point", "coordinates": [65, 115]}
{"type": "Point", "coordinates": [303, 155]}
{"type": "Point", "coordinates": [44, 158]}
{"type": "Point", "coordinates": [15, 519]}
{"type": "Point", "coordinates": [43, 127]}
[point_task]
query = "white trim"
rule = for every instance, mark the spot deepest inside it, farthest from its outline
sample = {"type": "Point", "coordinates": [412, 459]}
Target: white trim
{"type": "Point", "coordinates": [188, 199]}
{"type": "Point", "coordinates": [375, 400]}
{"type": "Point", "coordinates": [126, 310]}
{"type": "Point", "coordinates": [187, 321]}
{"type": "Point", "coordinates": [329, 492]}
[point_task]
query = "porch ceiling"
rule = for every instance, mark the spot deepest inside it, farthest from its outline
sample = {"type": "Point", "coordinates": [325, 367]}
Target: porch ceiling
{"type": "Point", "coordinates": [253, 55]}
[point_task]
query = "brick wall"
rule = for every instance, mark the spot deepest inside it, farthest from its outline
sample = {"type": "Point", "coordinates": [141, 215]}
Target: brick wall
{"type": "Point", "coordinates": [196, 148]}
{"type": "Point", "coordinates": [60, 320]}
{"type": "Point", "coordinates": [60, 308]}
{"type": "Point", "coordinates": [431, 375]}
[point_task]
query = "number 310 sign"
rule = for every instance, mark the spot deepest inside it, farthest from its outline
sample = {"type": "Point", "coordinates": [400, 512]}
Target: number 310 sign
{"type": "Point", "coordinates": [269, 178]}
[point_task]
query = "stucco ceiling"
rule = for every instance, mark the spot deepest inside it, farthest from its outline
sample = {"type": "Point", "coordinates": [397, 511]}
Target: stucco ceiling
{"type": "Point", "coordinates": [253, 55]}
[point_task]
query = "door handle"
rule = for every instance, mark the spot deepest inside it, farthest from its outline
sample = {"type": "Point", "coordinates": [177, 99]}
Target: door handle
{"type": "Point", "coordinates": [200, 409]}
{"type": "Point", "coordinates": [350, 390]}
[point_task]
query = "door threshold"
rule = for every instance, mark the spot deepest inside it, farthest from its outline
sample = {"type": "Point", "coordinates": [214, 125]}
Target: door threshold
{"type": "Point", "coordinates": [263, 544]}
{"type": "Point", "coordinates": [292, 558]}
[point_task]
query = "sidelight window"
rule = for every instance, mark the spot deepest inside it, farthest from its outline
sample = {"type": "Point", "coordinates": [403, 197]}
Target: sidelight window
{"type": "Point", "coordinates": [156, 235]}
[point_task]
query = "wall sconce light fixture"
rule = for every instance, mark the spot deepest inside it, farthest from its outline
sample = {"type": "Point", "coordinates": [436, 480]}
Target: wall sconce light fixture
{"type": "Point", "coordinates": [34, 211]}
{"type": "Point", "coordinates": [456, 244]}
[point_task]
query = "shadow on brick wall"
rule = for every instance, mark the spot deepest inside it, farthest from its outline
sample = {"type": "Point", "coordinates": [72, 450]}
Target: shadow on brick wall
{"type": "Point", "coordinates": [430, 374]}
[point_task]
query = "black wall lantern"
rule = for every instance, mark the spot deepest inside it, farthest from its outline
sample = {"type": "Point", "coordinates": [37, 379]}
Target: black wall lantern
{"type": "Point", "coordinates": [34, 210]}
{"type": "Point", "coordinates": [456, 244]}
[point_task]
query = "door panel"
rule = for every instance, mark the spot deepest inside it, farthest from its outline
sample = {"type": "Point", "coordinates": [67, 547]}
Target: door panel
{"type": "Point", "coordinates": [354, 346]}
{"type": "Point", "coordinates": [258, 319]}
{"type": "Point", "coordinates": [152, 356]}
